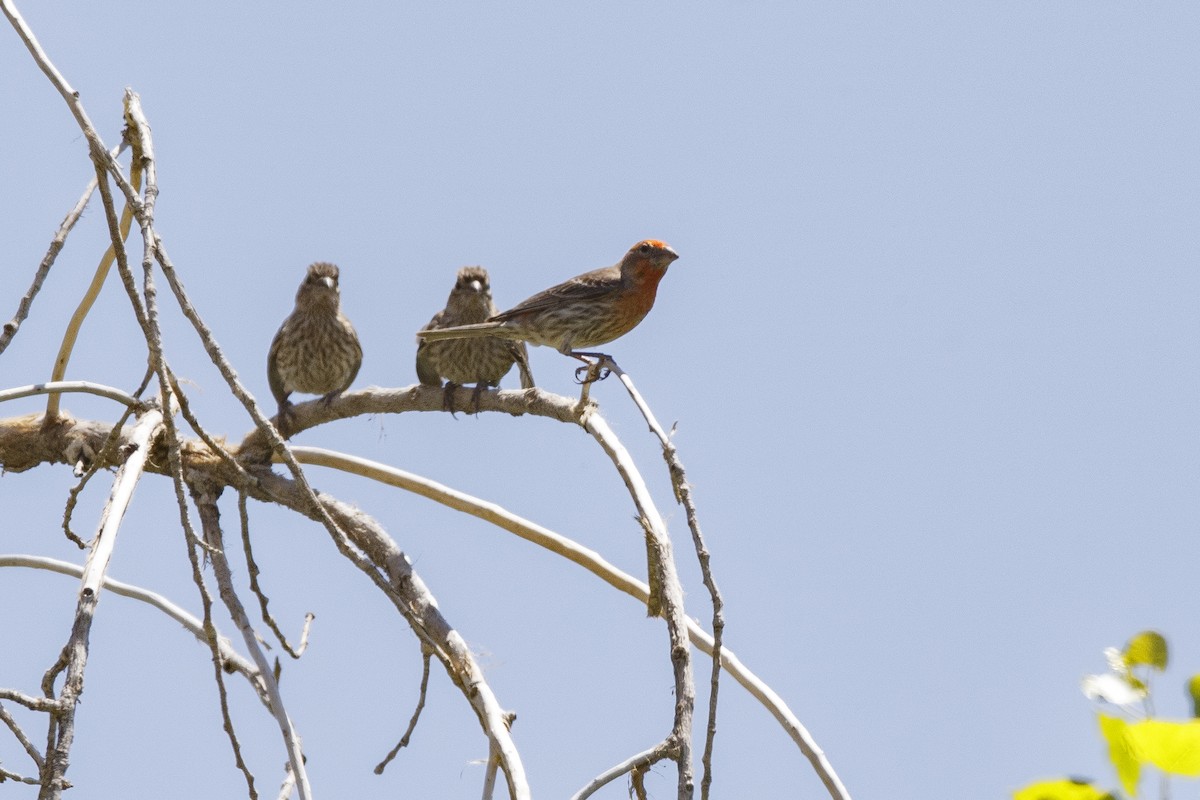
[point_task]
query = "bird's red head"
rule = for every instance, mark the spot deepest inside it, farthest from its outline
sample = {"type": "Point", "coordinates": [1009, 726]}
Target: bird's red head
{"type": "Point", "coordinates": [652, 252]}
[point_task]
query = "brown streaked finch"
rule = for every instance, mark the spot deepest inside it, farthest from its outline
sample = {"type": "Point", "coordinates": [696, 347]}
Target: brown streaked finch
{"type": "Point", "coordinates": [481, 361]}
{"type": "Point", "coordinates": [316, 350]}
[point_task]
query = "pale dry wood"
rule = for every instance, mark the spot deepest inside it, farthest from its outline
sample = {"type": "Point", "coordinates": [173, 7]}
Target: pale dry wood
{"type": "Point", "coordinates": [598, 566]}
{"type": "Point", "coordinates": [232, 660]}
{"type": "Point", "coordinates": [25, 443]}
{"type": "Point", "coordinates": [683, 495]}
{"type": "Point", "coordinates": [205, 496]}
{"type": "Point", "coordinates": [75, 653]}
{"type": "Point", "coordinates": [11, 327]}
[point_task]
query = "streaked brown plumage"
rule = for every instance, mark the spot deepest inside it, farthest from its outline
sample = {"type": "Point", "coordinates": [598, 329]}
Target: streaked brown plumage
{"type": "Point", "coordinates": [482, 362]}
{"type": "Point", "coordinates": [316, 350]}
{"type": "Point", "coordinates": [588, 310]}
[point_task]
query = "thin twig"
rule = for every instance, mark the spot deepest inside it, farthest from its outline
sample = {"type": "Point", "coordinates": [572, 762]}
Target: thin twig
{"type": "Point", "coordinates": [205, 498]}
{"type": "Point", "coordinates": [5, 775]}
{"type": "Point", "coordinates": [252, 568]}
{"type": "Point", "coordinates": [408, 593]}
{"type": "Point", "coordinates": [645, 758]}
{"type": "Point", "coordinates": [426, 655]}
{"type": "Point", "coordinates": [86, 387]}
{"type": "Point", "coordinates": [683, 495]}
{"type": "Point", "coordinates": [210, 633]}
{"type": "Point", "coordinates": [71, 334]}
{"type": "Point", "coordinates": [86, 467]}
{"type": "Point", "coordinates": [230, 658]}
{"type": "Point", "coordinates": [12, 725]}
{"type": "Point", "coordinates": [672, 594]}
{"type": "Point", "coordinates": [11, 327]}
{"type": "Point", "coordinates": [185, 410]}
{"type": "Point", "coordinates": [289, 782]}
{"type": "Point", "coordinates": [45, 704]}
{"type": "Point", "coordinates": [489, 775]}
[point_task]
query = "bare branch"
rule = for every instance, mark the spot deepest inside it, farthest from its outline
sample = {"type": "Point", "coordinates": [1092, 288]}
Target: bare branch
{"type": "Point", "coordinates": [75, 652]}
{"type": "Point", "coordinates": [289, 782]}
{"type": "Point", "coordinates": [408, 593]}
{"type": "Point", "coordinates": [71, 334]}
{"type": "Point", "coordinates": [47, 704]}
{"type": "Point", "coordinates": [683, 495]}
{"type": "Point", "coordinates": [489, 775]}
{"type": "Point", "coordinates": [12, 725]}
{"type": "Point", "coordinates": [643, 759]}
{"type": "Point", "coordinates": [72, 386]}
{"type": "Point", "coordinates": [597, 565]}
{"type": "Point", "coordinates": [412, 723]}
{"type": "Point", "coordinates": [86, 466]}
{"type": "Point", "coordinates": [672, 594]}
{"type": "Point", "coordinates": [5, 775]}
{"type": "Point", "coordinates": [205, 498]}
{"type": "Point", "coordinates": [11, 327]}
{"type": "Point", "coordinates": [26, 442]}
{"type": "Point", "coordinates": [216, 447]}
{"type": "Point", "coordinates": [210, 634]}
{"type": "Point", "coordinates": [252, 568]}
{"type": "Point", "coordinates": [230, 658]}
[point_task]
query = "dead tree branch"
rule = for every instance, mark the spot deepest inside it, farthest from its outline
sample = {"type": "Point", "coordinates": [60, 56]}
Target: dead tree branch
{"type": "Point", "coordinates": [74, 656]}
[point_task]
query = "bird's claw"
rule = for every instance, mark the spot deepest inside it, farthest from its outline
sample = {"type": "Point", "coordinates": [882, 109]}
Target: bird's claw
{"type": "Point", "coordinates": [591, 373]}
{"type": "Point", "coordinates": [448, 398]}
{"type": "Point", "coordinates": [476, 394]}
{"type": "Point", "coordinates": [284, 419]}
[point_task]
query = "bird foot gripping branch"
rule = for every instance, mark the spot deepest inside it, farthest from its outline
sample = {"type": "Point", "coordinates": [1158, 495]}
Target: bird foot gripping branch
{"type": "Point", "coordinates": [593, 371]}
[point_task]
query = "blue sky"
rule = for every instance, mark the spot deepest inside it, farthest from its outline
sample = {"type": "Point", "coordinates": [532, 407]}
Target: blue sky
{"type": "Point", "coordinates": [930, 343]}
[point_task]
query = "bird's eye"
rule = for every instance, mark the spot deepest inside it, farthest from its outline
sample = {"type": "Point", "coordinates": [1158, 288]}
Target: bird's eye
{"type": "Point", "coordinates": [645, 248]}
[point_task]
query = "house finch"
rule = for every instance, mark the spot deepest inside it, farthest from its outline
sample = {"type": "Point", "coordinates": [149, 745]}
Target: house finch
{"type": "Point", "coordinates": [590, 309]}
{"type": "Point", "coordinates": [482, 362]}
{"type": "Point", "coordinates": [316, 350]}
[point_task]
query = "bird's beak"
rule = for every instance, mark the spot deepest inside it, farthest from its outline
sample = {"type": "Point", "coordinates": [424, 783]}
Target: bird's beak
{"type": "Point", "coordinates": [671, 254]}
{"type": "Point", "coordinates": [476, 287]}
{"type": "Point", "coordinates": [328, 281]}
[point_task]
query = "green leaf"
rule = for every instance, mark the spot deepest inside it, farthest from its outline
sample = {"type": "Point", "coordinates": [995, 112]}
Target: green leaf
{"type": "Point", "coordinates": [1121, 753]}
{"type": "Point", "coordinates": [1194, 692]}
{"type": "Point", "coordinates": [1061, 789]}
{"type": "Point", "coordinates": [1148, 647]}
{"type": "Point", "coordinates": [1173, 747]}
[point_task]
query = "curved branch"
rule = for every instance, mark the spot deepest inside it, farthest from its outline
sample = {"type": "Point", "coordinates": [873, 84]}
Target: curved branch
{"type": "Point", "coordinates": [663, 564]}
{"type": "Point", "coordinates": [25, 442]}
{"type": "Point", "coordinates": [416, 603]}
{"type": "Point", "coordinates": [643, 759]}
{"type": "Point", "coordinates": [232, 659]}
{"type": "Point", "coordinates": [56, 245]}
{"type": "Point", "coordinates": [593, 562]}
{"type": "Point", "coordinates": [683, 495]}
{"type": "Point", "coordinates": [86, 387]}
{"type": "Point", "coordinates": [205, 498]}
{"type": "Point", "coordinates": [75, 653]}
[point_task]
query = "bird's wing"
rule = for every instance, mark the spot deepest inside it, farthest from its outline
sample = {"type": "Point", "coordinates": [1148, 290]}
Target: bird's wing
{"type": "Point", "coordinates": [273, 377]}
{"type": "Point", "coordinates": [520, 354]}
{"type": "Point", "coordinates": [585, 287]}
{"type": "Point", "coordinates": [426, 374]}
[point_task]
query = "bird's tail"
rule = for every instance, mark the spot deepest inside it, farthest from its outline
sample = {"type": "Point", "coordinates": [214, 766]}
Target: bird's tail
{"type": "Point", "coordinates": [465, 331]}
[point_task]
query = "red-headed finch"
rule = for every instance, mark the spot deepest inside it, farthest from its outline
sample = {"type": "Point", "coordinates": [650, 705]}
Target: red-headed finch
{"type": "Point", "coordinates": [316, 350]}
{"type": "Point", "coordinates": [482, 362]}
{"type": "Point", "coordinates": [590, 309]}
